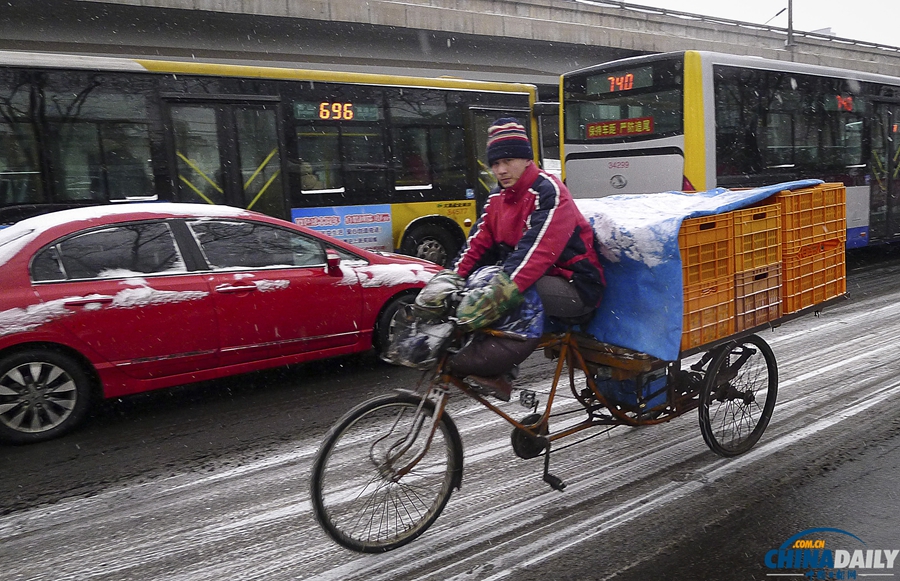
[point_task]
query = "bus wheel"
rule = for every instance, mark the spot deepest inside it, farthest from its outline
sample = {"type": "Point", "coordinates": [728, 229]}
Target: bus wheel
{"type": "Point", "coordinates": [430, 243]}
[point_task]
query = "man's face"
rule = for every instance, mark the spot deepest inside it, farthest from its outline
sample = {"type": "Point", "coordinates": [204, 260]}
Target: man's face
{"type": "Point", "coordinates": [509, 170]}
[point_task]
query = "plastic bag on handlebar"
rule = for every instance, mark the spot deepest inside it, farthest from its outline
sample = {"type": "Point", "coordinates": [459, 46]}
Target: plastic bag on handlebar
{"type": "Point", "coordinates": [416, 341]}
{"type": "Point", "coordinates": [435, 299]}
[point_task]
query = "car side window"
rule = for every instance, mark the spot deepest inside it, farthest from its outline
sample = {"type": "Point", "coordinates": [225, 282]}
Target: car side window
{"type": "Point", "coordinates": [136, 249]}
{"type": "Point", "coordinates": [228, 244]}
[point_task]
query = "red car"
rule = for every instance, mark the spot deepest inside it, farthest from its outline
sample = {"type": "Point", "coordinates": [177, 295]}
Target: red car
{"type": "Point", "coordinates": [115, 300]}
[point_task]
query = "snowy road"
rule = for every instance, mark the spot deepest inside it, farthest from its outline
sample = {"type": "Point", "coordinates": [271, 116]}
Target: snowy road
{"type": "Point", "coordinates": [631, 493]}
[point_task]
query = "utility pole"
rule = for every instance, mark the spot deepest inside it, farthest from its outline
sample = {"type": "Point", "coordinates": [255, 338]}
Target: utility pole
{"type": "Point", "coordinates": [789, 43]}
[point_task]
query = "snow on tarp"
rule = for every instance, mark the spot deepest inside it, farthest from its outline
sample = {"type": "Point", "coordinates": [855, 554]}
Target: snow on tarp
{"type": "Point", "coordinates": [643, 303]}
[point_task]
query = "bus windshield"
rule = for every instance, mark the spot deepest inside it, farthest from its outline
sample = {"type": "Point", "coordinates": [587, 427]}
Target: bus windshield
{"type": "Point", "coordinates": [624, 103]}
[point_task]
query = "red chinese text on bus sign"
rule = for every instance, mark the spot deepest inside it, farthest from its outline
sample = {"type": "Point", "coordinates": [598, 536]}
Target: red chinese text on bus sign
{"type": "Point", "coordinates": [318, 221]}
{"type": "Point", "coordinates": [622, 128]}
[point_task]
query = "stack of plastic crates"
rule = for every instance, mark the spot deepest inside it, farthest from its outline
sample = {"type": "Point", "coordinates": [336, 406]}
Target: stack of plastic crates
{"type": "Point", "coordinates": [814, 237]}
{"type": "Point", "coordinates": [707, 257]}
{"type": "Point", "coordinates": [757, 266]}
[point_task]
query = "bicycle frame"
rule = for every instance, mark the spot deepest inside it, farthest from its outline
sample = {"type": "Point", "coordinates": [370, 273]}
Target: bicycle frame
{"type": "Point", "coordinates": [574, 352]}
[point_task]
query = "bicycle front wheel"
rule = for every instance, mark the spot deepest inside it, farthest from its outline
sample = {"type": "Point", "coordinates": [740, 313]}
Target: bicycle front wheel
{"type": "Point", "coordinates": [738, 396]}
{"type": "Point", "coordinates": [382, 476]}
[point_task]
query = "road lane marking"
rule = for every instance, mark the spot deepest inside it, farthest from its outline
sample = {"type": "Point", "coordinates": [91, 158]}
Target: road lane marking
{"type": "Point", "coordinates": [551, 545]}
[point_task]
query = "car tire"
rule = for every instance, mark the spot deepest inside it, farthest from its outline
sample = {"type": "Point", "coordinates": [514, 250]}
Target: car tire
{"type": "Point", "coordinates": [44, 393]}
{"type": "Point", "coordinates": [383, 328]}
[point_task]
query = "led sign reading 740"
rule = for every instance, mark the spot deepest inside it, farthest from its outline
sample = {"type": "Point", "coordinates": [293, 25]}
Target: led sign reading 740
{"type": "Point", "coordinates": [335, 111]}
{"type": "Point", "coordinates": [618, 81]}
{"type": "Point", "coordinates": [621, 82]}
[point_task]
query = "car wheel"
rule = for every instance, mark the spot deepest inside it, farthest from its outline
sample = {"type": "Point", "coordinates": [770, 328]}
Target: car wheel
{"type": "Point", "coordinates": [432, 243]}
{"type": "Point", "coordinates": [384, 331]}
{"type": "Point", "coordinates": [43, 394]}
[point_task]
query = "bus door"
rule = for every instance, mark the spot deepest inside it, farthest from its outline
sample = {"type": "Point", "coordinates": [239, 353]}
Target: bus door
{"type": "Point", "coordinates": [480, 122]}
{"type": "Point", "coordinates": [884, 184]}
{"type": "Point", "coordinates": [228, 153]}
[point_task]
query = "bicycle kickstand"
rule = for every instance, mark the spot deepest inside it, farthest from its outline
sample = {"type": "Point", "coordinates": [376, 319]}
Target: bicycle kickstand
{"type": "Point", "coordinates": [555, 482]}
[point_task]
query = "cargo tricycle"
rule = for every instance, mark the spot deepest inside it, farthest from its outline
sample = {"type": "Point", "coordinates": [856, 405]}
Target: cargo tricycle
{"type": "Point", "coordinates": [387, 468]}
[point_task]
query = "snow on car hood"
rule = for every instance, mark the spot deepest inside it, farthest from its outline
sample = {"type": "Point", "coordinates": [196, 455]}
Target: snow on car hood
{"type": "Point", "coordinates": [375, 275]}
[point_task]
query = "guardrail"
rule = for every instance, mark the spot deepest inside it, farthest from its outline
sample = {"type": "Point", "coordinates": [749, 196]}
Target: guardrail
{"type": "Point", "coordinates": [750, 25]}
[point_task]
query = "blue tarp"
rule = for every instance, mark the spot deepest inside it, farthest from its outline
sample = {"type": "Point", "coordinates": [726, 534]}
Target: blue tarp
{"type": "Point", "coordinates": [643, 304]}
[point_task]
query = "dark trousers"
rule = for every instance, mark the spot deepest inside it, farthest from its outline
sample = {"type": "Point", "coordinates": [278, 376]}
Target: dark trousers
{"type": "Point", "coordinates": [560, 298]}
{"type": "Point", "coordinates": [491, 356]}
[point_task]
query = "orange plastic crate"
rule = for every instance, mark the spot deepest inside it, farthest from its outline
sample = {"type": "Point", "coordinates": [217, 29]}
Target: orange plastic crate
{"type": "Point", "coordinates": [815, 274]}
{"type": "Point", "coordinates": [707, 248]}
{"type": "Point", "coordinates": [757, 237]}
{"type": "Point", "coordinates": [708, 312]}
{"type": "Point", "coordinates": [812, 215]}
{"type": "Point", "coordinates": [757, 296]}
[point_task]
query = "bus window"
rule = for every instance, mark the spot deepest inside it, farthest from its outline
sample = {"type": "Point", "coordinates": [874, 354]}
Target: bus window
{"type": "Point", "coordinates": [777, 137]}
{"type": "Point", "coordinates": [20, 177]}
{"type": "Point", "coordinates": [96, 127]}
{"type": "Point", "coordinates": [843, 109]}
{"type": "Point", "coordinates": [411, 149]}
{"type": "Point", "coordinates": [487, 181]}
{"type": "Point", "coordinates": [259, 160]}
{"type": "Point", "coordinates": [428, 143]}
{"type": "Point", "coordinates": [365, 162]}
{"type": "Point", "coordinates": [782, 124]}
{"type": "Point", "coordinates": [737, 122]}
{"type": "Point", "coordinates": [448, 150]}
{"type": "Point", "coordinates": [197, 152]}
{"type": "Point", "coordinates": [99, 124]}
{"type": "Point", "coordinates": [319, 160]}
{"type": "Point", "coordinates": [103, 161]}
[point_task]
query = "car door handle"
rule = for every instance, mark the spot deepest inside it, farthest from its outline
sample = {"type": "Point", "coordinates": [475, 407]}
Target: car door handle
{"type": "Point", "coordinates": [228, 288]}
{"type": "Point", "coordinates": [92, 300]}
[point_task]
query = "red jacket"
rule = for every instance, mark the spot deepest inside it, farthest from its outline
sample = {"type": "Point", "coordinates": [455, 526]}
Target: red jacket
{"type": "Point", "coordinates": [538, 219]}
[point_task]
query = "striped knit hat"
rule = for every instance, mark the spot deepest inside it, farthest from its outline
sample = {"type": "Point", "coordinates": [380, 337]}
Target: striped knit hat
{"type": "Point", "coordinates": [507, 139]}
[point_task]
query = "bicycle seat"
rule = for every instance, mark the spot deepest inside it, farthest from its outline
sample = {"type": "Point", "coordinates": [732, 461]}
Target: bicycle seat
{"type": "Point", "coordinates": [579, 320]}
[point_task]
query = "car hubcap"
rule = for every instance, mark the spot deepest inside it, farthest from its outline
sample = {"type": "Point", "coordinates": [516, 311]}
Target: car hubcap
{"type": "Point", "coordinates": [35, 397]}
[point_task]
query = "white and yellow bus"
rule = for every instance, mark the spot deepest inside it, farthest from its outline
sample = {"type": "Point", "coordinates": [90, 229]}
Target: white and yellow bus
{"type": "Point", "coordinates": [383, 162]}
{"type": "Point", "coordinates": [698, 120]}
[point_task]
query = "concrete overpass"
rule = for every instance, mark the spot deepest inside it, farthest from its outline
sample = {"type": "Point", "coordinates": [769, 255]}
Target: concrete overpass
{"type": "Point", "coordinates": [521, 40]}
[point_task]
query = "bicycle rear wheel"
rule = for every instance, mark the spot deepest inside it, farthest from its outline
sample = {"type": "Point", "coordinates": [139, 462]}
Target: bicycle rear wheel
{"type": "Point", "coordinates": [738, 396]}
{"type": "Point", "coordinates": [377, 481]}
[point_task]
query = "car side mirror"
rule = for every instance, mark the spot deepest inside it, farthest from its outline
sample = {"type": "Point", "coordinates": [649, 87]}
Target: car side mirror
{"type": "Point", "coordinates": [333, 261]}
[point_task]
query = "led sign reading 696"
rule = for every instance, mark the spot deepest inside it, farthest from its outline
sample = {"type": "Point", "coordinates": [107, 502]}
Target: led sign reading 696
{"type": "Point", "coordinates": [335, 111]}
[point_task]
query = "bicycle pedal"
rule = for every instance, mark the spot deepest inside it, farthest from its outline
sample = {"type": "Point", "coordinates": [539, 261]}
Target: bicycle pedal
{"type": "Point", "coordinates": [528, 398]}
{"type": "Point", "coordinates": [555, 482]}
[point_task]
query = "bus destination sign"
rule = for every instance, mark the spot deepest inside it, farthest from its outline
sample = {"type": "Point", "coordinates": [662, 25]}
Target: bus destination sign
{"type": "Point", "coordinates": [620, 128]}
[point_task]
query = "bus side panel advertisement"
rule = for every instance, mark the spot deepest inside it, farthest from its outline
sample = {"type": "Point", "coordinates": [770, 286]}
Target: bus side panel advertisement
{"type": "Point", "coordinates": [367, 227]}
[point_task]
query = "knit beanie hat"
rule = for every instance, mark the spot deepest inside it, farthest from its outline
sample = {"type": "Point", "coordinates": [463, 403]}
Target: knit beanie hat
{"type": "Point", "coordinates": [507, 139]}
